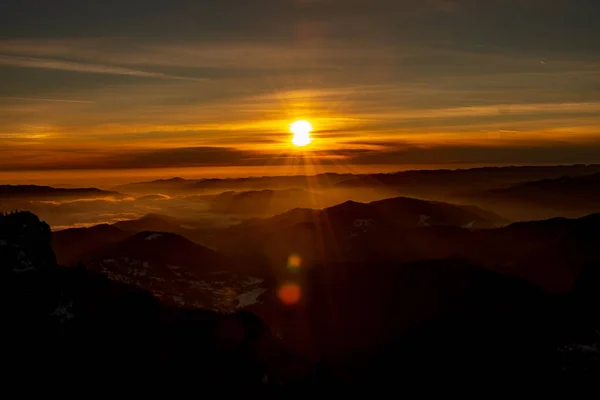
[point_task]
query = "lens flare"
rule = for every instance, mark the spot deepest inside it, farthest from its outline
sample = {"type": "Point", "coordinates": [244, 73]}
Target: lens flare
{"type": "Point", "coordinates": [294, 262]}
{"type": "Point", "coordinates": [289, 293]}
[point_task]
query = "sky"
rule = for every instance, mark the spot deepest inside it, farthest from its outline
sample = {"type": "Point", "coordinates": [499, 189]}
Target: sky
{"type": "Point", "coordinates": [150, 85]}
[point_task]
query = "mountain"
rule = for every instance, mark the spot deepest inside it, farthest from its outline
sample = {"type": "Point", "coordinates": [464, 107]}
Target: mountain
{"type": "Point", "coordinates": [70, 319]}
{"type": "Point", "coordinates": [164, 248]}
{"type": "Point", "coordinates": [419, 181]}
{"type": "Point", "coordinates": [356, 305]}
{"type": "Point", "coordinates": [428, 183]}
{"type": "Point", "coordinates": [264, 201]}
{"type": "Point", "coordinates": [73, 245]}
{"type": "Point", "coordinates": [402, 212]}
{"type": "Point", "coordinates": [275, 182]}
{"type": "Point", "coordinates": [564, 196]}
{"type": "Point", "coordinates": [549, 253]}
{"type": "Point", "coordinates": [13, 192]}
{"type": "Point", "coordinates": [355, 324]}
{"type": "Point", "coordinates": [177, 271]}
{"type": "Point", "coordinates": [173, 185]}
{"type": "Point", "coordinates": [166, 264]}
{"type": "Point", "coordinates": [347, 221]}
{"type": "Point", "coordinates": [150, 222]}
{"type": "Point", "coordinates": [179, 185]}
{"type": "Point", "coordinates": [451, 184]}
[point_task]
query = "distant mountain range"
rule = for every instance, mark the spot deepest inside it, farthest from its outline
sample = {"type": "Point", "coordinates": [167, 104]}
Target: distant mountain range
{"type": "Point", "coordinates": [567, 195]}
{"type": "Point", "coordinates": [260, 202]}
{"type": "Point", "coordinates": [176, 185]}
{"type": "Point", "coordinates": [419, 182]}
{"type": "Point", "coordinates": [449, 181]}
{"type": "Point", "coordinates": [13, 192]}
{"type": "Point", "coordinates": [345, 231]}
{"type": "Point", "coordinates": [549, 253]}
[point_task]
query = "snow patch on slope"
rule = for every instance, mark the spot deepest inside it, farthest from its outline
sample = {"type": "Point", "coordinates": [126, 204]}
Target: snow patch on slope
{"type": "Point", "coordinates": [249, 298]}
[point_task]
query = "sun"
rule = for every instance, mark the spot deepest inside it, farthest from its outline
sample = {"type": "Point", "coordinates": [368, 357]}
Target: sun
{"type": "Point", "coordinates": [301, 130]}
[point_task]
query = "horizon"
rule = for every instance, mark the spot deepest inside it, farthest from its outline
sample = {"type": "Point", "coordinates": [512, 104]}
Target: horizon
{"type": "Point", "coordinates": [105, 179]}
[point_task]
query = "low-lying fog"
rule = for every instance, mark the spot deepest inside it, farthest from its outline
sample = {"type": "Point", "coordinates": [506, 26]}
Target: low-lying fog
{"type": "Point", "coordinates": [514, 193]}
{"type": "Point", "coordinates": [199, 209]}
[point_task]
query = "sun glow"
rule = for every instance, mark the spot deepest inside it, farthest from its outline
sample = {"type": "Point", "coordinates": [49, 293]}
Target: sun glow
{"type": "Point", "coordinates": [301, 130]}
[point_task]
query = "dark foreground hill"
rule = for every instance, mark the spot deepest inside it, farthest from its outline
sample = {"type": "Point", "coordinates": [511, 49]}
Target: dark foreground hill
{"type": "Point", "coordinates": [73, 245]}
{"type": "Point", "coordinates": [78, 244]}
{"type": "Point", "coordinates": [356, 324]}
{"type": "Point", "coordinates": [71, 321]}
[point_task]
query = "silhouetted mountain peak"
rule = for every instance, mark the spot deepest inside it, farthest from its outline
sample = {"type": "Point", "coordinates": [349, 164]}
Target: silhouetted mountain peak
{"type": "Point", "coordinates": [175, 179]}
{"type": "Point", "coordinates": [162, 248]}
{"type": "Point", "coordinates": [169, 180]}
{"type": "Point", "coordinates": [24, 243]}
{"type": "Point", "coordinates": [349, 204]}
{"type": "Point", "coordinates": [75, 244]}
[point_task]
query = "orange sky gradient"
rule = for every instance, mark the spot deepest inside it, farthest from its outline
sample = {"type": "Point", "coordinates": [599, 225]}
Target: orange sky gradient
{"type": "Point", "coordinates": [381, 96]}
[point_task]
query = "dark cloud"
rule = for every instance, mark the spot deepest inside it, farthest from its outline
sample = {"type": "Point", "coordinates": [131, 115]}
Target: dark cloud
{"type": "Point", "coordinates": [519, 23]}
{"type": "Point", "coordinates": [187, 156]}
{"type": "Point", "coordinates": [377, 153]}
{"type": "Point", "coordinates": [156, 158]}
{"type": "Point", "coordinates": [554, 153]}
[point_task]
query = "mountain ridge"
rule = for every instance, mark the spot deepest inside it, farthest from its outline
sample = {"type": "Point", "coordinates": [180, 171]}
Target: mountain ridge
{"type": "Point", "coordinates": [48, 192]}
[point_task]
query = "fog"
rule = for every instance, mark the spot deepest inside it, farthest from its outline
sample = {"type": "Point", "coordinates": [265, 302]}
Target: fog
{"type": "Point", "coordinates": [516, 194]}
{"type": "Point", "coordinates": [198, 209]}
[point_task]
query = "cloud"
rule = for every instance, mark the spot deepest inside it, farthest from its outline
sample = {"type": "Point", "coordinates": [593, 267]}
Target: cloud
{"type": "Point", "coordinates": [48, 100]}
{"type": "Point", "coordinates": [392, 153]}
{"type": "Point", "coordinates": [187, 156]}
{"type": "Point", "coordinates": [60, 159]}
{"type": "Point", "coordinates": [382, 152]}
{"type": "Point", "coordinates": [428, 74]}
{"type": "Point", "coordinates": [496, 110]}
{"type": "Point", "coordinates": [46, 63]}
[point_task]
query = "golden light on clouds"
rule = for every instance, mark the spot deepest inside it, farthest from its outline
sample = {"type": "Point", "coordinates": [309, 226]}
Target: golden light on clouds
{"type": "Point", "coordinates": [301, 130]}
